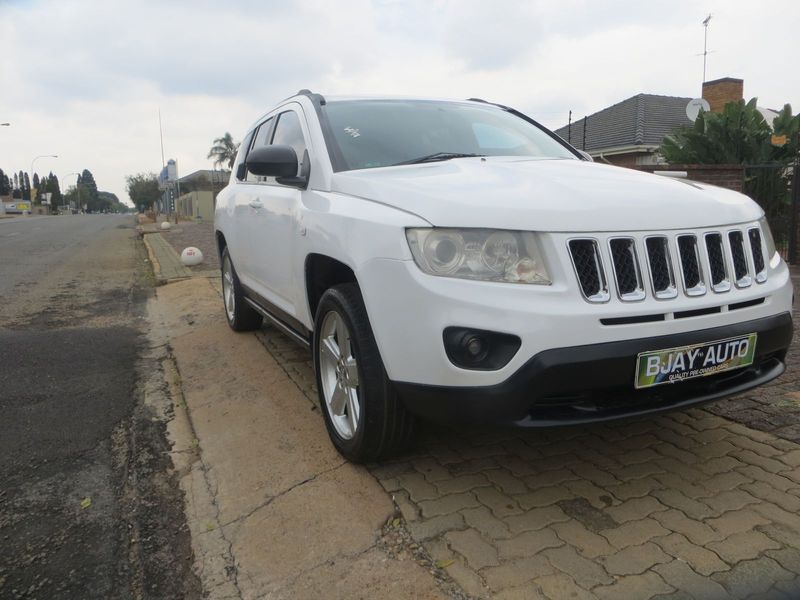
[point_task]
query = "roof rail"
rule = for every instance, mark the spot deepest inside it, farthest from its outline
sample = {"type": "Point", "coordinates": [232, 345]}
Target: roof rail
{"type": "Point", "coordinates": [312, 96]}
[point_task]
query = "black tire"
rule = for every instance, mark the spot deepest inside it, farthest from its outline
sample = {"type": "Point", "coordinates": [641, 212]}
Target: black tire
{"type": "Point", "coordinates": [384, 427]}
{"type": "Point", "coordinates": [241, 316]}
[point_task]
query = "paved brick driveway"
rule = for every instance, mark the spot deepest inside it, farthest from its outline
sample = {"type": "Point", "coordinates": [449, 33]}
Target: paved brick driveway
{"type": "Point", "coordinates": [686, 505]}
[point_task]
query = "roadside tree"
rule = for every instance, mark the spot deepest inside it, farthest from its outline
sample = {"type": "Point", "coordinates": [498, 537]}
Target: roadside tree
{"type": "Point", "coordinates": [224, 150]}
{"type": "Point", "coordinates": [143, 190]}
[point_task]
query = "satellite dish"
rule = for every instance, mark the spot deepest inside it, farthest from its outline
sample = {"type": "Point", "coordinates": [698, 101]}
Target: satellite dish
{"type": "Point", "coordinates": [694, 106]}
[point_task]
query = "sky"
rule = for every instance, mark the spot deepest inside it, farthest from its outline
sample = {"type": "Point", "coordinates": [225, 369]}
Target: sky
{"type": "Point", "coordinates": [85, 79]}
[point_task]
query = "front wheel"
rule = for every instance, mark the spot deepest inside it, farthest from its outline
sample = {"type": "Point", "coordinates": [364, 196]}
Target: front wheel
{"type": "Point", "coordinates": [365, 418]}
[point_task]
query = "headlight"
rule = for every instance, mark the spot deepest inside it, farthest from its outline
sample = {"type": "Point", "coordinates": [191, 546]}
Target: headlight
{"type": "Point", "coordinates": [484, 254]}
{"type": "Point", "coordinates": [768, 239]}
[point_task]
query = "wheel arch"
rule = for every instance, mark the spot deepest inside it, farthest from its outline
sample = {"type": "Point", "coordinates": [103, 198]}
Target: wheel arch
{"type": "Point", "coordinates": [321, 273]}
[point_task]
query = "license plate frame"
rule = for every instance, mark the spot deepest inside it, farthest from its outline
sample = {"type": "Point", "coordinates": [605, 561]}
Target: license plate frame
{"type": "Point", "coordinates": [696, 362]}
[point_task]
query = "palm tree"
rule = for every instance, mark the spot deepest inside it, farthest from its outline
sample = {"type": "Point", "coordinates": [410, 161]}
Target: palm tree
{"type": "Point", "coordinates": [224, 150]}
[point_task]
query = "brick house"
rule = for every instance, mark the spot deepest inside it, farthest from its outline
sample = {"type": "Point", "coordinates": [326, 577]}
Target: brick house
{"type": "Point", "coordinates": [630, 132]}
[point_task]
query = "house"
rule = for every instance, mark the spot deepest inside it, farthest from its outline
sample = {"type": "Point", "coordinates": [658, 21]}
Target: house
{"type": "Point", "coordinates": [630, 132]}
{"type": "Point", "coordinates": [199, 193]}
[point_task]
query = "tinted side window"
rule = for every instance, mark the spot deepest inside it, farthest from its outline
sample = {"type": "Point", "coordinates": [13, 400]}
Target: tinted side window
{"type": "Point", "coordinates": [288, 132]}
{"type": "Point", "coordinates": [260, 139]}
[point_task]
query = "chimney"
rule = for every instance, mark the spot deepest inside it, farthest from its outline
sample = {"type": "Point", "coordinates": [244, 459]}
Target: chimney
{"type": "Point", "coordinates": [721, 91]}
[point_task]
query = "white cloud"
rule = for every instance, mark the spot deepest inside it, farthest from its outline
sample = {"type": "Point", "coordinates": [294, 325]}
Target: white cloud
{"type": "Point", "coordinates": [84, 79]}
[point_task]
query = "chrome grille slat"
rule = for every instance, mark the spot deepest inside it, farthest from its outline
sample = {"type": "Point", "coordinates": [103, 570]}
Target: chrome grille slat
{"type": "Point", "coordinates": [588, 264]}
{"type": "Point", "coordinates": [756, 250]}
{"type": "Point", "coordinates": [718, 270]}
{"type": "Point", "coordinates": [662, 276]}
{"type": "Point", "coordinates": [691, 268]}
{"type": "Point", "coordinates": [627, 274]}
{"type": "Point", "coordinates": [741, 270]}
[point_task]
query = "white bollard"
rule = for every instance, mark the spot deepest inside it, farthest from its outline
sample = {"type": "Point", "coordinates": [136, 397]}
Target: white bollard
{"type": "Point", "coordinates": [166, 225]}
{"type": "Point", "coordinates": [191, 256]}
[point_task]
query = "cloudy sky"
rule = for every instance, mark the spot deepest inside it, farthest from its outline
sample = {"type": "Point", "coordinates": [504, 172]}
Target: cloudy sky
{"type": "Point", "coordinates": [84, 79]}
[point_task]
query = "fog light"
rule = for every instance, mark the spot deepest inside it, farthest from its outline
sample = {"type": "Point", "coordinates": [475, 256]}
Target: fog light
{"type": "Point", "coordinates": [479, 350]}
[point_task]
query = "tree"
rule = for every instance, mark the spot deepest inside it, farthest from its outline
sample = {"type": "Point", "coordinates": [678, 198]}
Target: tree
{"type": "Point", "coordinates": [88, 188]}
{"type": "Point", "coordinates": [737, 135]}
{"type": "Point", "coordinates": [4, 187]}
{"type": "Point", "coordinates": [224, 150]}
{"type": "Point", "coordinates": [143, 189]}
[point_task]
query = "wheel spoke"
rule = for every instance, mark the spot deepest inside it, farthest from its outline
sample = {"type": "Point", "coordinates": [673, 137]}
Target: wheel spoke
{"type": "Point", "coordinates": [353, 409]}
{"type": "Point", "coordinates": [330, 350]}
{"type": "Point", "coordinates": [352, 371]}
{"type": "Point", "coordinates": [339, 398]}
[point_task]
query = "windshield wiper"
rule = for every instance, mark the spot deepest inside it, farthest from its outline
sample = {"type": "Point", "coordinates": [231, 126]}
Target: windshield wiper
{"type": "Point", "coordinates": [437, 157]}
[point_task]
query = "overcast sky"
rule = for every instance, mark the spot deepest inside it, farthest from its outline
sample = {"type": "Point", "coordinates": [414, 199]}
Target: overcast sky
{"type": "Point", "coordinates": [84, 79]}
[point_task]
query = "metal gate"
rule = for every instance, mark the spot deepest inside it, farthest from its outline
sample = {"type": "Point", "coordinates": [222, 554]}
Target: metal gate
{"type": "Point", "coordinates": [775, 187]}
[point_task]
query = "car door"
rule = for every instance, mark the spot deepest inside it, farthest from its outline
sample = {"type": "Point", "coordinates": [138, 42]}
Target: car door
{"type": "Point", "coordinates": [272, 227]}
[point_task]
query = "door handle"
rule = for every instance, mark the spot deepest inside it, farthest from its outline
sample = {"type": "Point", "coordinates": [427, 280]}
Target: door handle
{"type": "Point", "coordinates": [256, 204]}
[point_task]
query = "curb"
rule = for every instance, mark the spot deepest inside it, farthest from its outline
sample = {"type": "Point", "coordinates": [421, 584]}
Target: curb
{"type": "Point", "coordinates": [167, 266]}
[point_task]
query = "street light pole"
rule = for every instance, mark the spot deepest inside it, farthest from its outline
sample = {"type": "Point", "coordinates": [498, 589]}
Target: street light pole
{"type": "Point", "coordinates": [31, 172]}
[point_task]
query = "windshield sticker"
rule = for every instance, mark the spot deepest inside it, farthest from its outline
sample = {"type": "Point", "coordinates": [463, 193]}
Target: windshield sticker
{"type": "Point", "coordinates": [352, 131]}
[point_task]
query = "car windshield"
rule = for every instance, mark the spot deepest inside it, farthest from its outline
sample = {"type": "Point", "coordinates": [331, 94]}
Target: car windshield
{"type": "Point", "coordinates": [380, 133]}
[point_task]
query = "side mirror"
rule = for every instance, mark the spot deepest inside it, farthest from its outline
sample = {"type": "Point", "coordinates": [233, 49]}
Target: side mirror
{"type": "Point", "coordinates": [272, 161]}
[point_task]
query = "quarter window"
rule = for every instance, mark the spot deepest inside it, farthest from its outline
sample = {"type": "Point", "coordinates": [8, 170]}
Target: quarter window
{"type": "Point", "coordinates": [261, 138]}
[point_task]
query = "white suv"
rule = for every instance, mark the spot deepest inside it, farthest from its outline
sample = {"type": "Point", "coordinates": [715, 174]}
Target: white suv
{"type": "Point", "coordinates": [456, 260]}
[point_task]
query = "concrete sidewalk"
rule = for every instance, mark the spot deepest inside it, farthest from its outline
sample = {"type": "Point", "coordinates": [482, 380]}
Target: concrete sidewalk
{"type": "Point", "coordinates": [274, 510]}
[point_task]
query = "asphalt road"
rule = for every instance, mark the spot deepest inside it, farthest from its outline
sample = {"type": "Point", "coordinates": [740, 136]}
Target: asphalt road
{"type": "Point", "coordinates": [84, 499]}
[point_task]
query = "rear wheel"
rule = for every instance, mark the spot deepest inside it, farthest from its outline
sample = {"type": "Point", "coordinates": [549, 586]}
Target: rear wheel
{"type": "Point", "coordinates": [240, 315]}
{"type": "Point", "coordinates": [365, 418]}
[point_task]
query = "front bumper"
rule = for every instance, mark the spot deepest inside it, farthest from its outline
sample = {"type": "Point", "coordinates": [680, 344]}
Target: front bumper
{"type": "Point", "coordinates": [594, 382]}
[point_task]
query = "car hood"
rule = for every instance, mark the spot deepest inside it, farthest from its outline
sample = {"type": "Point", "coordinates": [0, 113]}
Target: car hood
{"type": "Point", "coordinates": [546, 195]}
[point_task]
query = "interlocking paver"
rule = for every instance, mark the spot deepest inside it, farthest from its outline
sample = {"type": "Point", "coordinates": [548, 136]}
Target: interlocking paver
{"type": "Point", "coordinates": [528, 543]}
{"type": "Point", "coordinates": [635, 489]}
{"type": "Point", "coordinates": [730, 500]}
{"type": "Point", "coordinates": [758, 474]}
{"type": "Point", "coordinates": [508, 483]}
{"type": "Point", "coordinates": [477, 551]}
{"type": "Point", "coordinates": [736, 521]}
{"type": "Point", "coordinates": [431, 469]}
{"type": "Point", "coordinates": [516, 572]}
{"type": "Point", "coordinates": [537, 518]}
{"type": "Point", "coordinates": [481, 519]}
{"type": "Point", "coordinates": [525, 592]}
{"type": "Point", "coordinates": [418, 487]}
{"type": "Point", "coordinates": [723, 482]}
{"type": "Point", "coordinates": [789, 501]}
{"type": "Point", "coordinates": [427, 528]}
{"type": "Point", "coordinates": [743, 546]}
{"type": "Point", "coordinates": [464, 483]}
{"type": "Point", "coordinates": [696, 531]}
{"type": "Point", "coordinates": [543, 497]}
{"type": "Point", "coordinates": [634, 559]}
{"type": "Point", "coordinates": [702, 560]}
{"type": "Point", "coordinates": [674, 498]}
{"type": "Point", "coordinates": [586, 573]}
{"type": "Point", "coordinates": [681, 576]}
{"type": "Point", "coordinates": [561, 585]}
{"type": "Point", "coordinates": [634, 586]}
{"type": "Point", "coordinates": [634, 533]}
{"type": "Point", "coordinates": [788, 558]}
{"type": "Point", "coordinates": [587, 542]}
{"type": "Point", "coordinates": [447, 504]}
{"type": "Point", "coordinates": [768, 464]}
{"type": "Point", "coordinates": [752, 577]}
{"type": "Point", "coordinates": [468, 580]}
{"type": "Point", "coordinates": [721, 464]}
{"type": "Point", "coordinates": [635, 509]}
{"type": "Point", "coordinates": [596, 496]}
{"type": "Point", "coordinates": [499, 503]}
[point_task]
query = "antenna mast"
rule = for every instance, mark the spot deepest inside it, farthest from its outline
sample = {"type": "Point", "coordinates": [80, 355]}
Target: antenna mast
{"type": "Point", "coordinates": [706, 21]}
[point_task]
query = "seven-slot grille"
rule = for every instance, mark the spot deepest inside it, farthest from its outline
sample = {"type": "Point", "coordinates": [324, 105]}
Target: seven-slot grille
{"type": "Point", "coordinates": [714, 260]}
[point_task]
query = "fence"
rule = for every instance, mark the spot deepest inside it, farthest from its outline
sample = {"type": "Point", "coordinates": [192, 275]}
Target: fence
{"type": "Point", "coordinates": [775, 188]}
